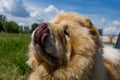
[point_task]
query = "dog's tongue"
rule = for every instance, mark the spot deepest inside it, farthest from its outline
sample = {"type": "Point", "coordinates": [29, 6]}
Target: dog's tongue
{"type": "Point", "coordinates": [40, 34]}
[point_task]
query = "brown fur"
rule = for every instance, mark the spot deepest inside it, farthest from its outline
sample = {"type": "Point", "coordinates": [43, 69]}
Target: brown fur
{"type": "Point", "coordinates": [113, 71]}
{"type": "Point", "coordinates": [77, 52]}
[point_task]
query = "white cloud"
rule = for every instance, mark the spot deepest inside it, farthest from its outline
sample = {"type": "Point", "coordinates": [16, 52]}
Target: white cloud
{"type": "Point", "coordinates": [14, 7]}
{"type": "Point", "coordinates": [112, 28]}
{"type": "Point", "coordinates": [21, 24]}
{"type": "Point", "coordinates": [116, 22]}
{"type": "Point", "coordinates": [51, 11]}
{"type": "Point", "coordinates": [44, 14]}
{"type": "Point", "coordinates": [1, 9]}
{"type": "Point", "coordinates": [15, 10]}
{"type": "Point", "coordinates": [103, 19]}
{"type": "Point", "coordinates": [35, 14]}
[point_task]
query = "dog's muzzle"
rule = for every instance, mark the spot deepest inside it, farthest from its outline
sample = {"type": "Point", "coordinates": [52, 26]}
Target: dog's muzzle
{"type": "Point", "coordinates": [43, 42]}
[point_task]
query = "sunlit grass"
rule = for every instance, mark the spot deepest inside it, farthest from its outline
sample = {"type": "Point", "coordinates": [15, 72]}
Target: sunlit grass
{"type": "Point", "coordinates": [13, 56]}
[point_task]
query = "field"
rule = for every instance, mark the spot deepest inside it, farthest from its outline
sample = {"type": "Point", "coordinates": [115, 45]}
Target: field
{"type": "Point", "coordinates": [13, 56]}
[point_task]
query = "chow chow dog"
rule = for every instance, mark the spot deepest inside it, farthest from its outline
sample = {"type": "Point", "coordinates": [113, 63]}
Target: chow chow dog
{"type": "Point", "coordinates": [69, 47]}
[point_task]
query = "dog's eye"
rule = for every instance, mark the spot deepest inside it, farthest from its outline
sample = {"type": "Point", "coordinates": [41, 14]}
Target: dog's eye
{"type": "Point", "coordinates": [66, 30]}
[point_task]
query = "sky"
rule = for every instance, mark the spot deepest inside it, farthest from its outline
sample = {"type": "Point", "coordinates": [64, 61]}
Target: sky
{"type": "Point", "coordinates": [104, 14]}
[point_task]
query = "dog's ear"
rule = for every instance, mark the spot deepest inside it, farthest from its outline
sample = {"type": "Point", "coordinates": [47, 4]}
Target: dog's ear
{"type": "Point", "coordinates": [93, 30]}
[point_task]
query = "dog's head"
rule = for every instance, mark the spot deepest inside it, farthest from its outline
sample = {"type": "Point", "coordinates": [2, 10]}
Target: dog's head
{"type": "Point", "coordinates": [67, 35]}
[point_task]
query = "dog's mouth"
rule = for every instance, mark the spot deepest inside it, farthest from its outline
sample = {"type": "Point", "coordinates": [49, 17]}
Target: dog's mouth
{"type": "Point", "coordinates": [44, 44]}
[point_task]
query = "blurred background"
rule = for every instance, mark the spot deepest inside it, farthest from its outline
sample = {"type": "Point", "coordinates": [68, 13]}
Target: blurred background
{"type": "Point", "coordinates": [18, 18]}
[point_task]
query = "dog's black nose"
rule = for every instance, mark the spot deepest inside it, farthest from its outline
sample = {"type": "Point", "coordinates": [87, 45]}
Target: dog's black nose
{"type": "Point", "coordinates": [40, 33]}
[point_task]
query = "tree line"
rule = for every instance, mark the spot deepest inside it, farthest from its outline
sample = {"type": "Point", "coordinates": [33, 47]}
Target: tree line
{"type": "Point", "coordinates": [13, 27]}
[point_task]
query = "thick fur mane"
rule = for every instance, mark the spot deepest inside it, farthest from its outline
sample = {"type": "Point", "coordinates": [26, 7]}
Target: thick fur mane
{"type": "Point", "coordinates": [72, 50]}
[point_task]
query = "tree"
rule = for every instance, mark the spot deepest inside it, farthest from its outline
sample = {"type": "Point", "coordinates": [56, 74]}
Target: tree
{"type": "Point", "coordinates": [11, 27]}
{"type": "Point", "coordinates": [3, 18]}
{"type": "Point", "coordinates": [34, 25]}
{"type": "Point", "coordinates": [1, 26]}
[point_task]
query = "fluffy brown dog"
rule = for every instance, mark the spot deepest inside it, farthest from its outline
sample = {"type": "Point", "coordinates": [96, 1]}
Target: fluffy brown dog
{"type": "Point", "coordinates": [69, 48]}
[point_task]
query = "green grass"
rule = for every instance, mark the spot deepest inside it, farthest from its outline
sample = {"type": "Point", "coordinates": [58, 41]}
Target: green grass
{"type": "Point", "coordinates": [108, 43]}
{"type": "Point", "coordinates": [13, 56]}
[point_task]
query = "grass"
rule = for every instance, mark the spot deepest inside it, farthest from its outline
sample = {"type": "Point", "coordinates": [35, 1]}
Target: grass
{"type": "Point", "coordinates": [111, 44]}
{"type": "Point", "coordinates": [13, 56]}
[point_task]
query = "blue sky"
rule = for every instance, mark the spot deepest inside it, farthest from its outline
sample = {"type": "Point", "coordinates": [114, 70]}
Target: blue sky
{"type": "Point", "coordinates": [104, 14]}
{"type": "Point", "coordinates": [100, 7]}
